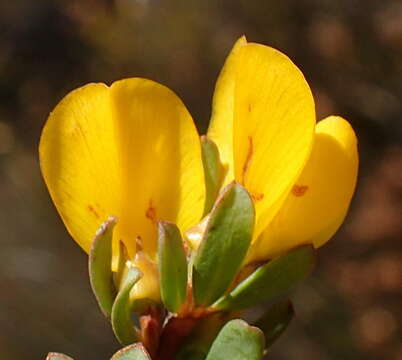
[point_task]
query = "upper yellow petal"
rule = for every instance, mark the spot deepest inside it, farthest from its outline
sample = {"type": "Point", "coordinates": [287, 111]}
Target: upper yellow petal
{"type": "Point", "coordinates": [274, 119]}
{"type": "Point", "coordinates": [318, 202]}
{"type": "Point", "coordinates": [220, 129]}
{"type": "Point", "coordinates": [131, 151]}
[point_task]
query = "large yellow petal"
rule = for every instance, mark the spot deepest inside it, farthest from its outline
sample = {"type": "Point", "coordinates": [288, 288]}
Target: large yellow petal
{"type": "Point", "coordinates": [273, 130]}
{"type": "Point", "coordinates": [131, 151]}
{"type": "Point", "coordinates": [221, 126]}
{"type": "Point", "coordinates": [162, 171]}
{"type": "Point", "coordinates": [318, 202]}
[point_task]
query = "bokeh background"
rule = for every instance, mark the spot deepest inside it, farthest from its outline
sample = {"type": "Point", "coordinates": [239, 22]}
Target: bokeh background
{"type": "Point", "coordinates": [351, 53]}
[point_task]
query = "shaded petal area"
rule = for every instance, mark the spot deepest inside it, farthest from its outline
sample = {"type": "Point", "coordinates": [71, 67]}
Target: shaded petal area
{"type": "Point", "coordinates": [318, 202]}
{"type": "Point", "coordinates": [220, 129]}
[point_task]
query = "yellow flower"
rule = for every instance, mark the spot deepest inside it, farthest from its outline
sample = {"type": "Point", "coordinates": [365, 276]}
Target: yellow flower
{"type": "Point", "coordinates": [301, 175]}
{"type": "Point", "coordinates": [131, 151]}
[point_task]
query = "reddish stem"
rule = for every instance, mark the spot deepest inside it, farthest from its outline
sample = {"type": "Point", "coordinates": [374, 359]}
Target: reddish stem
{"type": "Point", "coordinates": [151, 328]}
{"type": "Point", "coordinates": [173, 335]}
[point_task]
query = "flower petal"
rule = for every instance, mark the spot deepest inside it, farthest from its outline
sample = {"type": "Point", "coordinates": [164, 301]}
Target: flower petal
{"type": "Point", "coordinates": [78, 160]}
{"type": "Point", "coordinates": [273, 128]}
{"type": "Point", "coordinates": [161, 164]}
{"type": "Point", "coordinates": [318, 202]}
{"type": "Point", "coordinates": [221, 126]}
{"type": "Point", "coordinates": [131, 151]}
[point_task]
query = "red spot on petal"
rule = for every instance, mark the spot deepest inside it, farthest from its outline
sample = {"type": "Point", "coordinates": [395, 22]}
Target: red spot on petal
{"type": "Point", "coordinates": [93, 211]}
{"type": "Point", "coordinates": [249, 156]}
{"type": "Point", "coordinates": [257, 197]}
{"type": "Point", "coordinates": [138, 243]}
{"type": "Point", "coordinates": [299, 190]}
{"type": "Point", "coordinates": [151, 212]}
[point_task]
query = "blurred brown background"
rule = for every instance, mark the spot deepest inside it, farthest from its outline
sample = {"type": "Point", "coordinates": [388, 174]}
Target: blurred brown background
{"type": "Point", "coordinates": [351, 53]}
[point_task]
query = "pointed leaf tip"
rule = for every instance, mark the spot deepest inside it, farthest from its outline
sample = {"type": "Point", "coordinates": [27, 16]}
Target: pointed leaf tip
{"type": "Point", "coordinates": [172, 264]}
{"type": "Point", "coordinates": [100, 266]}
{"type": "Point", "coordinates": [107, 226]}
{"type": "Point", "coordinates": [132, 352]}
{"type": "Point", "coordinates": [122, 324]}
{"type": "Point", "coordinates": [57, 356]}
{"type": "Point", "coordinates": [224, 244]}
{"type": "Point", "coordinates": [271, 281]}
{"type": "Point", "coordinates": [237, 341]}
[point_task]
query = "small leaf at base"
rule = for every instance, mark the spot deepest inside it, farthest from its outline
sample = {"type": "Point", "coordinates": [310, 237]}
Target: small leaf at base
{"type": "Point", "coordinates": [132, 352]}
{"type": "Point", "coordinates": [237, 341]}
{"type": "Point", "coordinates": [57, 356]}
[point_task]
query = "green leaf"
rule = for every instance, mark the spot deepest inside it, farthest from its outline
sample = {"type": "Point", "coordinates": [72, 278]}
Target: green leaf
{"type": "Point", "coordinates": [132, 352]}
{"type": "Point", "coordinates": [57, 356]}
{"type": "Point", "coordinates": [237, 341]}
{"type": "Point", "coordinates": [275, 321]}
{"type": "Point", "coordinates": [271, 281]}
{"type": "Point", "coordinates": [213, 171]}
{"type": "Point", "coordinates": [172, 265]}
{"type": "Point", "coordinates": [100, 268]}
{"type": "Point", "coordinates": [122, 323]}
{"type": "Point", "coordinates": [224, 245]}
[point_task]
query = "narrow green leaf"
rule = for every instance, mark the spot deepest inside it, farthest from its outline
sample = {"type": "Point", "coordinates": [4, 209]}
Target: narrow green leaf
{"type": "Point", "coordinates": [271, 281]}
{"type": "Point", "coordinates": [213, 171]}
{"type": "Point", "coordinates": [172, 265]}
{"type": "Point", "coordinates": [275, 321]}
{"type": "Point", "coordinates": [100, 268]}
{"type": "Point", "coordinates": [237, 341]}
{"type": "Point", "coordinates": [57, 356]}
{"type": "Point", "coordinates": [132, 352]}
{"type": "Point", "coordinates": [122, 323]}
{"type": "Point", "coordinates": [224, 245]}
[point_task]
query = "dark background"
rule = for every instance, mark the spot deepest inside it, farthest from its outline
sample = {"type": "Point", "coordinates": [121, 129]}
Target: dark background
{"type": "Point", "coordinates": [351, 53]}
